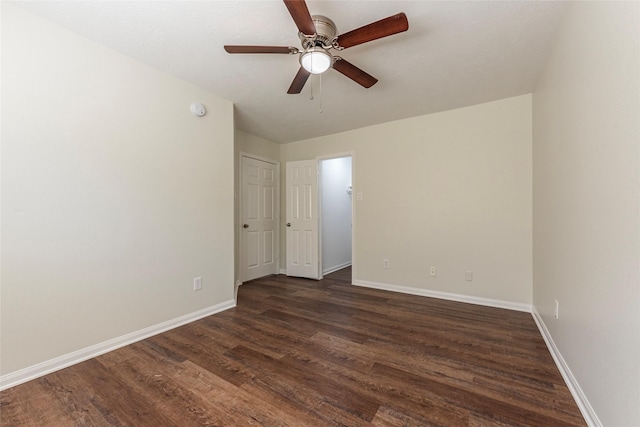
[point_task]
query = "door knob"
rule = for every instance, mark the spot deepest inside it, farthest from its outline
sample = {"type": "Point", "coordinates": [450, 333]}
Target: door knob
{"type": "Point", "coordinates": [245, 226]}
{"type": "Point", "coordinates": [288, 224]}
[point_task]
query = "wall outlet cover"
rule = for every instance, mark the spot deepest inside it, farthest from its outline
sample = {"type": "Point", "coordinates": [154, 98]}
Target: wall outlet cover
{"type": "Point", "coordinates": [197, 283]}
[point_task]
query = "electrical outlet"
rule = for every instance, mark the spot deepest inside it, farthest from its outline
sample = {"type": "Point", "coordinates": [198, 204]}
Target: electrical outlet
{"type": "Point", "coordinates": [556, 311]}
{"type": "Point", "coordinates": [468, 276]}
{"type": "Point", "coordinates": [433, 272]}
{"type": "Point", "coordinates": [385, 263]}
{"type": "Point", "coordinates": [197, 283]}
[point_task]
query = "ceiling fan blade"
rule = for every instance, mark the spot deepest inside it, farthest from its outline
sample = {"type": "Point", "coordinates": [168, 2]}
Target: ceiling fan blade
{"type": "Point", "coordinates": [354, 73]}
{"type": "Point", "coordinates": [376, 30]}
{"type": "Point", "coordinates": [298, 81]}
{"type": "Point", "coordinates": [301, 16]}
{"type": "Point", "coordinates": [260, 49]}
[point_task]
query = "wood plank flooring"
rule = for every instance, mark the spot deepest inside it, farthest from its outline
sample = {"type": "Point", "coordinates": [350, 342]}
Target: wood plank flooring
{"type": "Point", "coordinates": [298, 352]}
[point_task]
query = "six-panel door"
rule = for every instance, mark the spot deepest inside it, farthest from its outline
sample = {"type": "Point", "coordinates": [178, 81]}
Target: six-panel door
{"type": "Point", "coordinates": [259, 227]}
{"type": "Point", "coordinates": [302, 219]}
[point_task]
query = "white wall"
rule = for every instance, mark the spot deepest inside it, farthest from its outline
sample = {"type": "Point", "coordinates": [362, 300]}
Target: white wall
{"type": "Point", "coordinates": [336, 213]}
{"type": "Point", "coordinates": [450, 190]}
{"type": "Point", "coordinates": [114, 196]}
{"type": "Point", "coordinates": [586, 110]}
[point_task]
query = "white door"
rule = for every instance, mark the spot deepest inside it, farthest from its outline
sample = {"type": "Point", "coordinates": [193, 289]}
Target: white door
{"type": "Point", "coordinates": [302, 219]}
{"type": "Point", "coordinates": [259, 218]}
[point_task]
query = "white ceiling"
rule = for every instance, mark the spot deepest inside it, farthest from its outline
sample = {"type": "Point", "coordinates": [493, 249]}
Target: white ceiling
{"type": "Point", "coordinates": [454, 54]}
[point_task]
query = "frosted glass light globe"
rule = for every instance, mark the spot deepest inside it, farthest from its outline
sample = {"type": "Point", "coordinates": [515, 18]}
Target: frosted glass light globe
{"type": "Point", "coordinates": [316, 60]}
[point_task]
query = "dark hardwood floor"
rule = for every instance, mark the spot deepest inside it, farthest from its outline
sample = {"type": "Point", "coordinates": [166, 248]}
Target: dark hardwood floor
{"type": "Point", "coordinates": [297, 352]}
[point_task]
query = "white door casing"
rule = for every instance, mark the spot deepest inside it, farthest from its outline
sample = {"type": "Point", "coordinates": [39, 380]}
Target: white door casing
{"type": "Point", "coordinates": [302, 219]}
{"type": "Point", "coordinates": [259, 216]}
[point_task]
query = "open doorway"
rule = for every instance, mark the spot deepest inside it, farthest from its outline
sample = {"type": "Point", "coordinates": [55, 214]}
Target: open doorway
{"type": "Point", "coordinates": [336, 213]}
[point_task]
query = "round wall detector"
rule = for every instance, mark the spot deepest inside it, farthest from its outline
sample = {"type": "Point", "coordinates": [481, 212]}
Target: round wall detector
{"type": "Point", "coordinates": [198, 109]}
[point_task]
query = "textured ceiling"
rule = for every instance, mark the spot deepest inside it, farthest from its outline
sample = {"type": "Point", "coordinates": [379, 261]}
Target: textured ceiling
{"type": "Point", "coordinates": [455, 54]}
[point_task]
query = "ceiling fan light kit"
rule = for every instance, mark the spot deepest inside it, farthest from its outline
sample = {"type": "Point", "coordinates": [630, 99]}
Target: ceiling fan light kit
{"type": "Point", "coordinates": [316, 60]}
{"type": "Point", "coordinates": [318, 35]}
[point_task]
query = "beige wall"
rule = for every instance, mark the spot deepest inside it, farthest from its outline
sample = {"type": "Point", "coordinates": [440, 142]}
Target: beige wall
{"type": "Point", "coordinates": [450, 190]}
{"type": "Point", "coordinates": [114, 196]}
{"type": "Point", "coordinates": [257, 146]}
{"type": "Point", "coordinates": [587, 204]}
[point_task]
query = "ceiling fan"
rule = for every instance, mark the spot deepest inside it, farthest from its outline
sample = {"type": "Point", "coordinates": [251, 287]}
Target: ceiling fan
{"type": "Point", "coordinates": [318, 36]}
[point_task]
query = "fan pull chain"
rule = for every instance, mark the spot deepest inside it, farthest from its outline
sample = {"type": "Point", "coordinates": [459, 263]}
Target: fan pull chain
{"type": "Point", "coordinates": [320, 109]}
{"type": "Point", "coordinates": [311, 97]}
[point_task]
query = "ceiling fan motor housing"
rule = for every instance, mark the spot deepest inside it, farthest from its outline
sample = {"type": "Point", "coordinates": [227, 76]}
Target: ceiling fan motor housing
{"type": "Point", "coordinates": [325, 33]}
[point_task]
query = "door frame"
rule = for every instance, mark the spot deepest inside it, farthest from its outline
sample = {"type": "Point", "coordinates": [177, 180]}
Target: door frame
{"type": "Point", "coordinates": [319, 159]}
{"type": "Point", "coordinates": [239, 228]}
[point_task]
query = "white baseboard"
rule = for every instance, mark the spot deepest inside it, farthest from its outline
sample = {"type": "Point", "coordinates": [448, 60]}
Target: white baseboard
{"type": "Point", "coordinates": [578, 395]}
{"type": "Point", "coordinates": [446, 296]}
{"type": "Point", "coordinates": [336, 268]}
{"type": "Point", "coordinates": [32, 372]}
{"type": "Point", "coordinates": [283, 271]}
